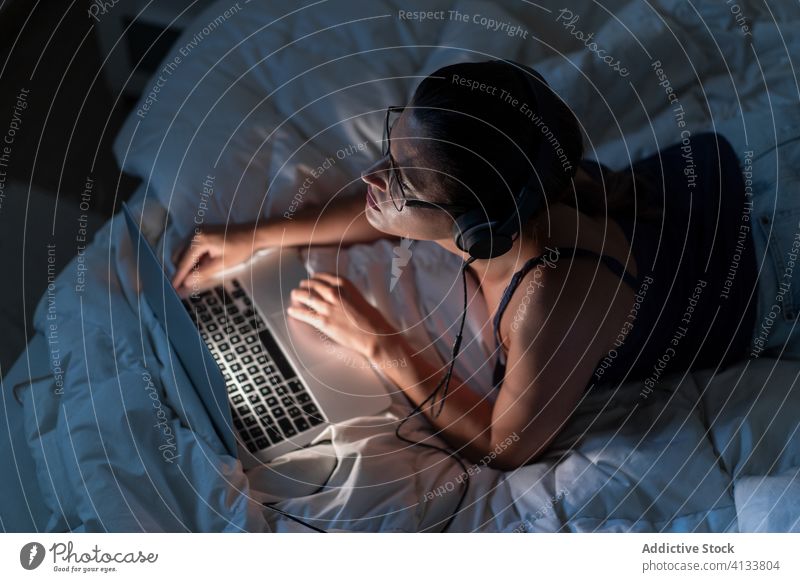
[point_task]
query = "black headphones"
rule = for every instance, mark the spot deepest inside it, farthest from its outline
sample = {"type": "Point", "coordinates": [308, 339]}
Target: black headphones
{"type": "Point", "coordinates": [474, 232]}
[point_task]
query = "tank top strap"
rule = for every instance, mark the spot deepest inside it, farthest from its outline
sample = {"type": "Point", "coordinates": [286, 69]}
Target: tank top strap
{"type": "Point", "coordinates": [509, 292]}
{"type": "Point", "coordinates": [613, 264]}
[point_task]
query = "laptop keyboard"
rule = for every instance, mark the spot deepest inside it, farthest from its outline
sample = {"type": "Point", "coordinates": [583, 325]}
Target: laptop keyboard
{"type": "Point", "coordinates": [268, 401]}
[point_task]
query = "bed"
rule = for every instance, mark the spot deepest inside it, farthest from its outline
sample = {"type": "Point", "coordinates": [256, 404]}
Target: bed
{"type": "Point", "coordinates": [254, 97]}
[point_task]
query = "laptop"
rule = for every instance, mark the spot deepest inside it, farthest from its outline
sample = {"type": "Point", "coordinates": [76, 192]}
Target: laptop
{"type": "Point", "coordinates": [269, 383]}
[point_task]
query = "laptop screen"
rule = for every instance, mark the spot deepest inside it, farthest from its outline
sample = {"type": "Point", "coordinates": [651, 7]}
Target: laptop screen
{"type": "Point", "coordinates": [183, 336]}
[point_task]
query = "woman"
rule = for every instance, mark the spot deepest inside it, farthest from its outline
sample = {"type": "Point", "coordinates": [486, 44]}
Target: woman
{"type": "Point", "coordinates": [567, 297]}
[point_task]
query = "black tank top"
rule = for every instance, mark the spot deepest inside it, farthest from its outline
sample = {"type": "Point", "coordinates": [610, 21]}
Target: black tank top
{"type": "Point", "coordinates": [696, 290]}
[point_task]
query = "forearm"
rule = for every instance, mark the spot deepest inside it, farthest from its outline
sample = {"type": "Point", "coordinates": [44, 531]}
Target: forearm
{"type": "Point", "coordinates": [465, 419]}
{"type": "Point", "coordinates": [342, 221]}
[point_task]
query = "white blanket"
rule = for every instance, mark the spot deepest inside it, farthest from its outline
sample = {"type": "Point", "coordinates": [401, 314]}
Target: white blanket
{"type": "Point", "coordinates": [257, 101]}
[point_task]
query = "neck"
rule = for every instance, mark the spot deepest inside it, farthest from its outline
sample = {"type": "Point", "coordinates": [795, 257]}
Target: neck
{"type": "Point", "coordinates": [531, 242]}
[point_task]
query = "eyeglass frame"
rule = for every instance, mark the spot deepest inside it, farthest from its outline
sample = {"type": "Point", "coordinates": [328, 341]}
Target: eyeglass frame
{"type": "Point", "coordinates": [406, 201]}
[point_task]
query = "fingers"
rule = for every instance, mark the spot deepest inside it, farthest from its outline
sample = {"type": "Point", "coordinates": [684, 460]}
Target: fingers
{"type": "Point", "coordinates": [322, 288]}
{"type": "Point", "coordinates": [306, 314]}
{"type": "Point", "coordinates": [191, 255]}
{"type": "Point", "coordinates": [200, 272]}
{"type": "Point", "coordinates": [310, 298]}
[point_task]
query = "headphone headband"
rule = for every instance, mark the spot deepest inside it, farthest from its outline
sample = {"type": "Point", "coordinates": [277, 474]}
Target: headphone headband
{"type": "Point", "coordinates": [482, 238]}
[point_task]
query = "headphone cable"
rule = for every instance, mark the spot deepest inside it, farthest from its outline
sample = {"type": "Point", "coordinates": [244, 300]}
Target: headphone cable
{"type": "Point", "coordinates": [445, 381]}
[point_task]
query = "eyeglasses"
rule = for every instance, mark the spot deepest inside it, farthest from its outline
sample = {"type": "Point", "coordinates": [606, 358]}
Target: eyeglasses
{"type": "Point", "coordinates": [396, 184]}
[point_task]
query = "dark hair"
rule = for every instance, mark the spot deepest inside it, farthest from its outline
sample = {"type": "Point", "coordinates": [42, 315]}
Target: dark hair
{"type": "Point", "coordinates": [483, 134]}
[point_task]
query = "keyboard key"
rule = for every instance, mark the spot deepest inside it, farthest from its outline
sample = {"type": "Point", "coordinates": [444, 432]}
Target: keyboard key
{"type": "Point", "coordinates": [315, 420]}
{"type": "Point", "coordinates": [287, 401]}
{"type": "Point", "coordinates": [205, 317]}
{"type": "Point", "coordinates": [274, 435]}
{"type": "Point", "coordinates": [247, 388]}
{"type": "Point", "coordinates": [222, 294]}
{"type": "Point", "coordinates": [238, 423]}
{"type": "Point", "coordinates": [241, 348]}
{"type": "Point", "coordinates": [247, 359]}
{"type": "Point", "coordinates": [265, 390]}
{"type": "Point", "coordinates": [244, 329]}
{"type": "Point", "coordinates": [235, 339]}
{"type": "Point", "coordinates": [238, 319]}
{"type": "Point", "coordinates": [303, 398]}
{"type": "Point", "coordinates": [278, 413]}
{"type": "Point", "coordinates": [256, 432]}
{"type": "Point", "coordinates": [217, 337]}
{"type": "Point", "coordinates": [237, 399]}
{"type": "Point", "coordinates": [229, 357]}
{"type": "Point", "coordinates": [212, 327]}
{"type": "Point", "coordinates": [241, 377]}
{"type": "Point", "coordinates": [287, 427]}
{"type": "Point", "coordinates": [216, 310]}
{"type": "Point", "coordinates": [238, 293]}
{"type": "Point", "coordinates": [261, 410]}
{"type": "Point", "coordinates": [259, 380]}
{"type": "Point", "coordinates": [294, 412]}
{"type": "Point", "coordinates": [236, 367]}
{"type": "Point", "coordinates": [295, 386]}
{"type": "Point", "coordinates": [261, 359]}
{"type": "Point", "coordinates": [251, 446]}
{"type": "Point", "coordinates": [311, 409]}
{"type": "Point", "coordinates": [252, 369]}
{"type": "Point", "coordinates": [277, 354]}
{"type": "Point", "coordinates": [272, 401]}
{"type": "Point", "coordinates": [224, 347]}
{"type": "Point", "coordinates": [281, 390]}
{"type": "Point", "coordinates": [262, 443]}
{"type": "Point", "coordinates": [254, 398]}
{"type": "Point", "coordinates": [227, 377]}
{"type": "Point", "coordinates": [301, 424]}
{"type": "Point", "coordinates": [250, 339]}
{"type": "Point", "coordinates": [275, 380]}
{"type": "Point", "coordinates": [243, 410]}
{"type": "Point", "coordinates": [250, 421]}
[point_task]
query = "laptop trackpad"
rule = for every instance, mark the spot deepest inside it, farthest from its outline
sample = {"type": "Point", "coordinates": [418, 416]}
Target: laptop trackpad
{"type": "Point", "coordinates": [305, 345]}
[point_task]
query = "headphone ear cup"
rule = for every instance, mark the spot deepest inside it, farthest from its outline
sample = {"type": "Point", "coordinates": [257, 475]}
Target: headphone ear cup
{"type": "Point", "coordinates": [475, 235]}
{"type": "Point", "coordinates": [463, 224]}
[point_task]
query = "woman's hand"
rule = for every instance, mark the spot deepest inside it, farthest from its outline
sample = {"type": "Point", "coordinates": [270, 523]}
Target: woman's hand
{"type": "Point", "coordinates": [337, 308]}
{"type": "Point", "coordinates": [211, 250]}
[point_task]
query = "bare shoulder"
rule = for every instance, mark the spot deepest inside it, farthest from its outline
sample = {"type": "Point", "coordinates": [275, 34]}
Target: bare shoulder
{"type": "Point", "coordinates": [562, 298]}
